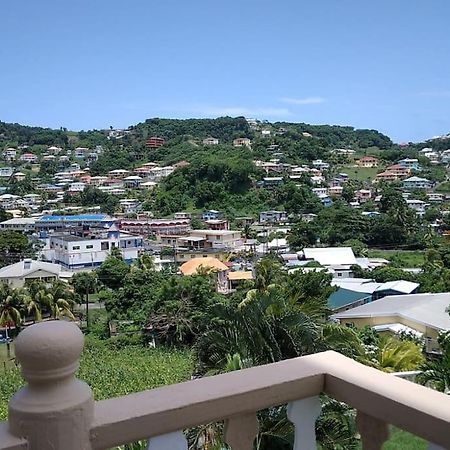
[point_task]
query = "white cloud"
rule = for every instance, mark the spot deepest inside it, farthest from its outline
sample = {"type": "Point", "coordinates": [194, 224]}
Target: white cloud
{"type": "Point", "coordinates": [302, 101]}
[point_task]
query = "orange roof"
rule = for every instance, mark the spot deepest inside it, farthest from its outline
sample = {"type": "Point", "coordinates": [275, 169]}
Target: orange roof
{"type": "Point", "coordinates": [240, 275]}
{"type": "Point", "coordinates": [191, 267]}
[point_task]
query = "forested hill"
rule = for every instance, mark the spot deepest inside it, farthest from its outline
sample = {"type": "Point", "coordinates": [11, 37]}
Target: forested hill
{"type": "Point", "coordinates": [223, 128]}
{"type": "Point", "coordinates": [183, 140]}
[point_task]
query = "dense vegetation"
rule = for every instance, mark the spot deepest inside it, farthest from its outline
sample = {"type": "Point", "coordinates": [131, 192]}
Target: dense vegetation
{"type": "Point", "coordinates": [112, 371]}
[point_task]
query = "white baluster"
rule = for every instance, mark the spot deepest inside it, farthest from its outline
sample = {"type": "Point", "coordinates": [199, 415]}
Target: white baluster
{"type": "Point", "coordinates": [240, 431]}
{"type": "Point", "coordinates": [303, 414]}
{"type": "Point", "coordinates": [170, 441]}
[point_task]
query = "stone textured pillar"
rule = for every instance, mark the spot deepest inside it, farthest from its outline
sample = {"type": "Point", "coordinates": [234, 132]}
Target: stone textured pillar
{"type": "Point", "coordinates": [55, 410]}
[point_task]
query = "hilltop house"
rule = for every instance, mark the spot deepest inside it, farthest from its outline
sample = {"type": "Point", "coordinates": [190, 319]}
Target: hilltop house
{"type": "Point", "coordinates": [416, 183]}
{"type": "Point", "coordinates": [28, 270]}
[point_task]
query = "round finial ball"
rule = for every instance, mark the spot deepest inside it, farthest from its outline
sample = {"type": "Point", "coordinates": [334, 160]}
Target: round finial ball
{"type": "Point", "coordinates": [49, 350]}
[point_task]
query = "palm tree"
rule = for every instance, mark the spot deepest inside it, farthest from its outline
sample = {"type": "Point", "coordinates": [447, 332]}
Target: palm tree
{"type": "Point", "coordinates": [436, 373]}
{"type": "Point", "coordinates": [395, 355]}
{"type": "Point", "coordinates": [146, 263]}
{"type": "Point", "coordinates": [60, 301]}
{"type": "Point", "coordinates": [9, 311]}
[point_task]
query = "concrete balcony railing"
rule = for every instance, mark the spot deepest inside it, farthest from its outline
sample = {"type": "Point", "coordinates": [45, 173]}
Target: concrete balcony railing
{"type": "Point", "coordinates": [56, 411]}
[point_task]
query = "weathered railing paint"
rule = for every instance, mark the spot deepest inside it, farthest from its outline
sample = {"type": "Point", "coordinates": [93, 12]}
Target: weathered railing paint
{"type": "Point", "coordinates": [56, 411]}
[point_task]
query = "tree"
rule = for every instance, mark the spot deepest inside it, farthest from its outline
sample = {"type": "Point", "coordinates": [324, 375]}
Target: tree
{"type": "Point", "coordinates": [437, 372]}
{"type": "Point", "coordinates": [9, 311]}
{"type": "Point", "coordinates": [395, 355]}
{"type": "Point", "coordinates": [14, 246]}
{"type": "Point", "coordinates": [302, 234]}
{"type": "Point", "coordinates": [113, 271]}
{"type": "Point", "coordinates": [85, 283]}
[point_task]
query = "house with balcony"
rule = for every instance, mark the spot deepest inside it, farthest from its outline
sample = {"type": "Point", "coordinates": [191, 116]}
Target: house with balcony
{"type": "Point", "coordinates": [217, 224]}
{"type": "Point", "coordinates": [272, 182]}
{"type": "Point", "coordinates": [412, 183]}
{"type": "Point", "coordinates": [210, 141]}
{"type": "Point", "coordinates": [335, 191]}
{"type": "Point", "coordinates": [132, 181]}
{"type": "Point", "coordinates": [320, 165]}
{"type": "Point", "coordinates": [363, 195]}
{"type": "Point", "coordinates": [28, 157]}
{"type": "Point", "coordinates": [211, 214]}
{"type": "Point", "coordinates": [58, 222]}
{"type": "Point", "coordinates": [419, 206]}
{"type": "Point", "coordinates": [272, 217]}
{"type": "Point", "coordinates": [147, 226]}
{"type": "Point", "coordinates": [218, 239]}
{"type": "Point", "coordinates": [410, 164]}
{"type": "Point", "coordinates": [6, 172]}
{"type": "Point", "coordinates": [242, 142]}
{"type": "Point", "coordinates": [79, 251]}
{"type": "Point", "coordinates": [368, 161]}
{"type": "Point", "coordinates": [10, 154]}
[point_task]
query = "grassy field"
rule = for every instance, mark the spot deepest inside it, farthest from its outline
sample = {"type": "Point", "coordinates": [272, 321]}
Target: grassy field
{"type": "Point", "coordinates": [360, 173]}
{"type": "Point", "coordinates": [400, 258]}
{"type": "Point", "coordinates": [114, 371]}
{"type": "Point", "coordinates": [401, 440]}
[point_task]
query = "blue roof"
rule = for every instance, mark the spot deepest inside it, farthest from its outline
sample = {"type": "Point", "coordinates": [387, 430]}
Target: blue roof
{"type": "Point", "coordinates": [343, 297]}
{"type": "Point", "coordinates": [75, 218]}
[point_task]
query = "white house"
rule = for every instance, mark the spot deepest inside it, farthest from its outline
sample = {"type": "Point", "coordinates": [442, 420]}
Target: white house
{"type": "Point", "coordinates": [416, 183]}
{"type": "Point", "coordinates": [210, 141]}
{"type": "Point", "coordinates": [320, 165]}
{"type": "Point", "coordinates": [6, 172]}
{"type": "Point", "coordinates": [418, 206]}
{"type": "Point", "coordinates": [84, 252]}
{"type": "Point", "coordinates": [28, 270]}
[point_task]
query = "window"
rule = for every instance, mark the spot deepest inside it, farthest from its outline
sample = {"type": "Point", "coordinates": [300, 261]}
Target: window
{"type": "Point", "coordinates": [89, 246]}
{"type": "Point", "coordinates": [104, 246]}
{"type": "Point", "coordinates": [76, 247]}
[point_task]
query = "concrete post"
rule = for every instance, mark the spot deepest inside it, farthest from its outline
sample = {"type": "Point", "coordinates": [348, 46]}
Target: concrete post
{"type": "Point", "coordinates": [55, 410]}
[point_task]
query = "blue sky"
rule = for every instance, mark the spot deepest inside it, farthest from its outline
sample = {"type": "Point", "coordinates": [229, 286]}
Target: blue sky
{"type": "Point", "coordinates": [83, 64]}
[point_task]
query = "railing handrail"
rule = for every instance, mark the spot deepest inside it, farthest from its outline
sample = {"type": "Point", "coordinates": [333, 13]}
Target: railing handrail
{"type": "Point", "coordinates": [414, 408]}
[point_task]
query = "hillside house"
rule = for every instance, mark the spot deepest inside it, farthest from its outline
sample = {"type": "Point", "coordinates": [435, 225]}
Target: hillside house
{"type": "Point", "coordinates": [320, 165]}
{"type": "Point", "coordinates": [211, 214]}
{"type": "Point", "coordinates": [272, 217]}
{"type": "Point", "coordinates": [368, 161]}
{"type": "Point", "coordinates": [410, 163]}
{"type": "Point", "coordinates": [242, 142]}
{"type": "Point", "coordinates": [132, 181]}
{"type": "Point", "coordinates": [28, 157]}
{"type": "Point", "coordinates": [210, 141]}
{"type": "Point", "coordinates": [416, 183]}
{"type": "Point", "coordinates": [155, 142]}
{"type": "Point", "coordinates": [10, 154]}
{"type": "Point", "coordinates": [418, 206]}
